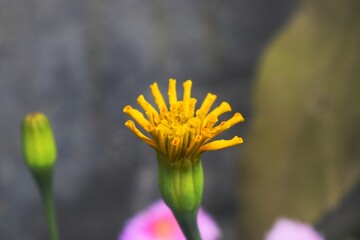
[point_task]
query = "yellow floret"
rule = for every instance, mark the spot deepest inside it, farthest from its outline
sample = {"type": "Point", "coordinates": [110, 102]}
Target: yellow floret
{"type": "Point", "coordinates": [176, 131]}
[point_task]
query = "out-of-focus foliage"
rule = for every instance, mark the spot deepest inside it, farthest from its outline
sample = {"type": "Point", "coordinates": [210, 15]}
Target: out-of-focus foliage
{"type": "Point", "coordinates": [302, 152]}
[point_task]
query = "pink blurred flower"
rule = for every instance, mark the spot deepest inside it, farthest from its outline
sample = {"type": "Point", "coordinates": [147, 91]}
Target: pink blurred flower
{"type": "Point", "coordinates": [158, 223]}
{"type": "Point", "coordinates": [286, 229]}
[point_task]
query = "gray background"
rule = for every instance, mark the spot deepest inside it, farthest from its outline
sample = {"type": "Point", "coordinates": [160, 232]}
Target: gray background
{"type": "Point", "coordinates": [81, 62]}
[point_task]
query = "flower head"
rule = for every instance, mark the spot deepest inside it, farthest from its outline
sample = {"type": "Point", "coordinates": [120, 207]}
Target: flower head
{"type": "Point", "coordinates": [39, 148]}
{"type": "Point", "coordinates": [158, 223]}
{"type": "Point", "coordinates": [176, 130]}
{"type": "Point", "coordinates": [285, 229]}
{"type": "Point", "coordinates": [180, 134]}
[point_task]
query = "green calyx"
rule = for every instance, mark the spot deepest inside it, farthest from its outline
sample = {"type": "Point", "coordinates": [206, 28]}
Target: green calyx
{"type": "Point", "coordinates": [38, 144]}
{"type": "Point", "coordinates": [181, 183]}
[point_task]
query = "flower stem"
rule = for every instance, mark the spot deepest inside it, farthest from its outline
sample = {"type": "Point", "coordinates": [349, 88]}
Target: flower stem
{"type": "Point", "coordinates": [51, 215]}
{"type": "Point", "coordinates": [188, 225]}
{"type": "Point", "coordinates": [44, 181]}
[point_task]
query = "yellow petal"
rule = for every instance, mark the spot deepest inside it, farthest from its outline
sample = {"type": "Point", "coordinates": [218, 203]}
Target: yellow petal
{"type": "Point", "coordinates": [207, 103]}
{"type": "Point", "coordinates": [194, 145]}
{"type": "Point", "coordinates": [172, 92]}
{"type": "Point", "coordinates": [210, 121]}
{"type": "Point", "coordinates": [131, 125]}
{"type": "Point", "coordinates": [187, 95]}
{"type": "Point", "coordinates": [137, 115]}
{"type": "Point", "coordinates": [192, 105]}
{"type": "Point", "coordinates": [206, 133]}
{"type": "Point", "coordinates": [158, 97]}
{"type": "Point", "coordinates": [200, 114]}
{"type": "Point", "coordinates": [225, 125]}
{"type": "Point", "coordinates": [220, 144]}
{"type": "Point", "coordinates": [162, 139]}
{"type": "Point", "coordinates": [222, 108]}
{"type": "Point", "coordinates": [235, 119]}
{"type": "Point", "coordinates": [174, 146]}
{"type": "Point", "coordinates": [148, 108]}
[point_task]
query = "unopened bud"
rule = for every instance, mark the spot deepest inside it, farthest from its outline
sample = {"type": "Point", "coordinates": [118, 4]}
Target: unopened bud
{"type": "Point", "coordinates": [38, 144]}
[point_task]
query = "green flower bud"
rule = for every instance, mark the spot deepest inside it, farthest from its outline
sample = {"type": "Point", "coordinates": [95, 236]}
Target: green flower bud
{"type": "Point", "coordinates": [181, 183]}
{"type": "Point", "coordinates": [38, 144]}
{"type": "Point", "coordinates": [39, 150]}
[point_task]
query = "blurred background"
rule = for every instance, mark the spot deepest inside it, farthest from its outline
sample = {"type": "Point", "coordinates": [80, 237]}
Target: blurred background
{"type": "Point", "coordinates": [290, 67]}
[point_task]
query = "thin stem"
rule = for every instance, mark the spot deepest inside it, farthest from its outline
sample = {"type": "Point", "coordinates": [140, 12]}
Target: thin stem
{"type": "Point", "coordinates": [50, 214]}
{"type": "Point", "coordinates": [44, 180]}
{"type": "Point", "coordinates": [188, 225]}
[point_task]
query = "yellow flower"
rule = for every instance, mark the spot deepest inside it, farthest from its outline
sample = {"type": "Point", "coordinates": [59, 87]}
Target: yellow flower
{"type": "Point", "coordinates": [179, 134]}
{"type": "Point", "coordinates": [177, 131]}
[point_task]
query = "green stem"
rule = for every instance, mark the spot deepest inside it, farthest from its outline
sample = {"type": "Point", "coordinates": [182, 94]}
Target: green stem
{"type": "Point", "coordinates": [188, 225]}
{"type": "Point", "coordinates": [51, 215]}
{"type": "Point", "coordinates": [44, 180]}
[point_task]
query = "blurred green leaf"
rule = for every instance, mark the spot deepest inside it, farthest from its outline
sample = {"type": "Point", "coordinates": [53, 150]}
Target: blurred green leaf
{"type": "Point", "coordinates": [302, 150]}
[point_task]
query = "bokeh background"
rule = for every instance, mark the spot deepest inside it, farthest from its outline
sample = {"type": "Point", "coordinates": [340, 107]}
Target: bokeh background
{"type": "Point", "coordinates": [82, 61]}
